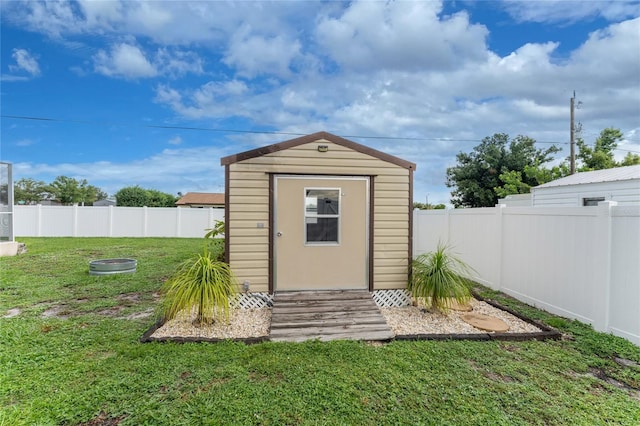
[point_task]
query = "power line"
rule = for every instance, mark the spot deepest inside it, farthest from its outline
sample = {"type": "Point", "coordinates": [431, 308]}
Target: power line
{"type": "Point", "coordinates": [263, 132]}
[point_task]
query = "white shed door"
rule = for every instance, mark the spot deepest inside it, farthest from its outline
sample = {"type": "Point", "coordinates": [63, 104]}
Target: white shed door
{"type": "Point", "coordinates": [321, 232]}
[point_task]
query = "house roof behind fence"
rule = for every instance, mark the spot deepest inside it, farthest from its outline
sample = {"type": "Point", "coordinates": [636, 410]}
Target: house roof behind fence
{"type": "Point", "coordinates": [201, 198]}
{"type": "Point", "coordinates": [596, 176]}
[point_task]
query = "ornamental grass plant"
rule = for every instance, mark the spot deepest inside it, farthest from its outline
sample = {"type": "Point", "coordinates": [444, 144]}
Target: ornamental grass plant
{"type": "Point", "coordinates": [437, 277]}
{"type": "Point", "coordinates": [203, 284]}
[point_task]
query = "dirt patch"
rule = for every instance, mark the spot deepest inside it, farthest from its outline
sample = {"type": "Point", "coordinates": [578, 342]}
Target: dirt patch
{"type": "Point", "coordinates": [57, 311]}
{"type": "Point", "coordinates": [12, 313]}
{"type": "Point", "coordinates": [596, 373]}
{"type": "Point", "coordinates": [129, 297]}
{"type": "Point", "coordinates": [139, 315]}
{"type": "Point", "coordinates": [103, 419]}
{"type": "Point", "coordinates": [626, 362]}
{"type": "Point", "coordinates": [111, 312]}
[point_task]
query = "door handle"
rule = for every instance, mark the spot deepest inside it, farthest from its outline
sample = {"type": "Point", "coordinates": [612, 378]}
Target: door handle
{"type": "Point", "coordinates": [279, 234]}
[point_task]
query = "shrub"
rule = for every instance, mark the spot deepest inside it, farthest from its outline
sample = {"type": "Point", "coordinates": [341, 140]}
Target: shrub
{"type": "Point", "coordinates": [201, 283]}
{"type": "Point", "coordinates": [439, 276]}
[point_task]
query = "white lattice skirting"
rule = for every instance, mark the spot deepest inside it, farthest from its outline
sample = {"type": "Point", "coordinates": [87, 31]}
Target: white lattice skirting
{"type": "Point", "coordinates": [383, 298]}
{"type": "Point", "coordinates": [391, 298]}
{"type": "Point", "coordinates": [252, 300]}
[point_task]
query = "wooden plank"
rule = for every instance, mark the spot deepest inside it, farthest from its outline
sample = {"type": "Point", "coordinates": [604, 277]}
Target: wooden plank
{"type": "Point", "coordinates": [330, 303]}
{"type": "Point", "coordinates": [333, 322]}
{"type": "Point", "coordinates": [374, 335]}
{"type": "Point", "coordinates": [326, 315]}
{"type": "Point", "coordinates": [322, 295]}
{"type": "Point", "coordinates": [308, 331]}
{"type": "Point", "coordinates": [302, 309]}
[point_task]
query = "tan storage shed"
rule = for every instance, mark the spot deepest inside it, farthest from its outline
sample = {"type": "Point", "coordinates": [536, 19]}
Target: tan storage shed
{"type": "Point", "coordinates": [318, 212]}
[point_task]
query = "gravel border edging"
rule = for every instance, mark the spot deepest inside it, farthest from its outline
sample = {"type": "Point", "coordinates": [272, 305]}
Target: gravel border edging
{"type": "Point", "coordinates": [547, 333]}
{"type": "Point", "coordinates": [146, 337]}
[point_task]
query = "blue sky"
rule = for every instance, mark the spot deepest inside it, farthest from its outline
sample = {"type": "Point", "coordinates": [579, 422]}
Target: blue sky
{"type": "Point", "coordinates": [120, 81]}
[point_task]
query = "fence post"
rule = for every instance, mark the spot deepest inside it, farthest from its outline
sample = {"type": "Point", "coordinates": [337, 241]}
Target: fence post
{"type": "Point", "coordinates": [447, 228]}
{"type": "Point", "coordinates": [39, 220]}
{"type": "Point", "coordinates": [416, 232]}
{"type": "Point", "coordinates": [603, 233]}
{"type": "Point", "coordinates": [178, 221]}
{"type": "Point", "coordinates": [144, 221]}
{"type": "Point", "coordinates": [75, 220]}
{"type": "Point", "coordinates": [499, 254]}
{"type": "Point", "coordinates": [110, 224]}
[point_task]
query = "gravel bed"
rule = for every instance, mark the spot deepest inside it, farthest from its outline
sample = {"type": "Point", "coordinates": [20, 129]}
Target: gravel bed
{"type": "Point", "coordinates": [246, 323]}
{"type": "Point", "coordinates": [243, 323]}
{"type": "Point", "coordinates": [412, 320]}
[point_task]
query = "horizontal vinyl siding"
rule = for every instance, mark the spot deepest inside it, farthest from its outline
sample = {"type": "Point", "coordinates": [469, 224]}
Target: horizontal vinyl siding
{"type": "Point", "coordinates": [249, 205]}
{"type": "Point", "coordinates": [624, 192]}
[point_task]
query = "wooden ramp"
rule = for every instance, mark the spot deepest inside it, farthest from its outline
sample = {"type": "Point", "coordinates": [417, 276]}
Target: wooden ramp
{"type": "Point", "coordinates": [327, 315]}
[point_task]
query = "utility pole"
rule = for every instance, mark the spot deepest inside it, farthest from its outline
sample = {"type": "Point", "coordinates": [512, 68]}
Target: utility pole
{"type": "Point", "coordinates": [572, 156]}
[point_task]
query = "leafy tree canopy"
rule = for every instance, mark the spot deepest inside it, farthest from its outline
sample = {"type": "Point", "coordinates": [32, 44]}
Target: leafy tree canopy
{"type": "Point", "coordinates": [28, 191]}
{"type": "Point", "coordinates": [68, 190]}
{"type": "Point", "coordinates": [64, 189]}
{"type": "Point", "coordinates": [600, 156]}
{"type": "Point", "coordinates": [423, 206]}
{"type": "Point", "coordinates": [135, 196]}
{"type": "Point", "coordinates": [476, 179]}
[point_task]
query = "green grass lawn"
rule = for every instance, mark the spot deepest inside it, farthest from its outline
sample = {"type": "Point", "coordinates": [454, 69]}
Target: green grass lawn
{"type": "Point", "coordinates": [89, 367]}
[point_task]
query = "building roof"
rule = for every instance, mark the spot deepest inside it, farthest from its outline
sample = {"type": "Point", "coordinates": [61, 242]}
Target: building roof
{"type": "Point", "coordinates": [292, 143]}
{"type": "Point", "coordinates": [201, 198]}
{"type": "Point", "coordinates": [596, 176]}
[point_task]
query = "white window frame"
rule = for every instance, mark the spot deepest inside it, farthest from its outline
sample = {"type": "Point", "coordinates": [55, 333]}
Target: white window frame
{"type": "Point", "coordinates": [308, 215]}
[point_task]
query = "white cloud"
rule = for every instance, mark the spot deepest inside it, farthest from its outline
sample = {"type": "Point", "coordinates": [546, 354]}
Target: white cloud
{"type": "Point", "coordinates": [24, 142]}
{"type": "Point", "coordinates": [401, 35]}
{"type": "Point", "coordinates": [177, 63]}
{"type": "Point", "coordinates": [555, 11]}
{"type": "Point", "coordinates": [125, 61]}
{"type": "Point", "coordinates": [209, 100]}
{"type": "Point", "coordinates": [176, 140]}
{"type": "Point", "coordinates": [25, 63]}
{"type": "Point", "coordinates": [254, 55]}
{"type": "Point", "coordinates": [129, 61]}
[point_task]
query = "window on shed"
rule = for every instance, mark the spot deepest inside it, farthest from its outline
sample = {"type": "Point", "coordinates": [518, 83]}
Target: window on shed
{"type": "Point", "coordinates": [591, 201]}
{"type": "Point", "coordinates": [322, 216]}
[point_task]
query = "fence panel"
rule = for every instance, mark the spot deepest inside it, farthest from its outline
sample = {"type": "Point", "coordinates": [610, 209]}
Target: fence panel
{"type": "Point", "coordinates": [70, 221]}
{"type": "Point", "coordinates": [624, 317]}
{"type": "Point", "coordinates": [56, 221]}
{"type": "Point", "coordinates": [91, 221]}
{"type": "Point", "coordinates": [578, 262]}
{"type": "Point", "coordinates": [128, 222]}
{"type": "Point", "coordinates": [547, 255]}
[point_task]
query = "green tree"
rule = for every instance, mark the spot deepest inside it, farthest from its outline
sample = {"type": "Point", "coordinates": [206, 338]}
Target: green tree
{"type": "Point", "coordinates": [516, 182]}
{"type": "Point", "coordinates": [476, 178]}
{"type": "Point", "coordinates": [601, 155]}
{"type": "Point", "coordinates": [630, 159]}
{"type": "Point", "coordinates": [135, 196]}
{"type": "Point", "coordinates": [69, 190]}
{"type": "Point", "coordinates": [28, 191]}
{"type": "Point", "coordinates": [423, 206]}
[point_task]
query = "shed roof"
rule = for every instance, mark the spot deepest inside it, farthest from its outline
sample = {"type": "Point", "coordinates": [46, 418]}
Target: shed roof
{"type": "Point", "coordinates": [201, 198]}
{"type": "Point", "coordinates": [596, 176]}
{"type": "Point", "coordinates": [312, 138]}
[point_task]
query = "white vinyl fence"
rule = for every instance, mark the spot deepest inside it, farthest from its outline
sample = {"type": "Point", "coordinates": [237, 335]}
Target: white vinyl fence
{"type": "Point", "coordinates": [578, 262]}
{"type": "Point", "coordinates": [109, 221]}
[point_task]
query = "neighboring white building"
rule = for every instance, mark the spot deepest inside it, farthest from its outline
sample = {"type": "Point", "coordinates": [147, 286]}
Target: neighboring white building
{"type": "Point", "coordinates": [621, 184]}
{"type": "Point", "coordinates": [516, 200]}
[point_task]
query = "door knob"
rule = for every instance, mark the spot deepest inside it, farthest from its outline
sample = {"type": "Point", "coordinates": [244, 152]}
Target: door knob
{"type": "Point", "coordinates": [279, 234]}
